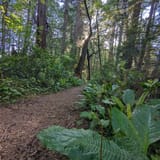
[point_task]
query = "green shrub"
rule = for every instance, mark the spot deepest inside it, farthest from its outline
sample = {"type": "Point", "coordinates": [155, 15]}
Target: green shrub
{"type": "Point", "coordinates": [110, 73]}
{"type": "Point", "coordinates": [98, 98]}
{"type": "Point", "coordinates": [9, 91]}
{"type": "Point", "coordinates": [36, 73]}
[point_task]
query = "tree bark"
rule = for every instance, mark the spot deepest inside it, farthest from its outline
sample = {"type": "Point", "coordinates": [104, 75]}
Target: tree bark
{"type": "Point", "coordinates": [89, 65]}
{"type": "Point", "coordinates": [5, 6]}
{"type": "Point", "coordinates": [79, 68]}
{"type": "Point", "coordinates": [147, 34]}
{"type": "Point", "coordinates": [41, 24]}
{"type": "Point", "coordinates": [98, 40]}
{"type": "Point", "coordinates": [65, 24]}
{"type": "Point", "coordinates": [122, 26]}
{"type": "Point", "coordinates": [111, 44]}
{"type": "Point", "coordinates": [27, 30]}
{"type": "Point", "coordinates": [77, 29]}
{"type": "Point", "coordinates": [132, 32]}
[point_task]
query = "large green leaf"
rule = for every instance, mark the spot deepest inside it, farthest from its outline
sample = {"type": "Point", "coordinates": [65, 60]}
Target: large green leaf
{"type": "Point", "coordinates": [128, 97]}
{"type": "Point", "coordinates": [143, 128]}
{"type": "Point", "coordinates": [154, 134]}
{"type": "Point", "coordinates": [147, 121]}
{"type": "Point", "coordinates": [142, 121]}
{"type": "Point", "coordinates": [80, 144]}
{"type": "Point", "coordinates": [131, 146]}
{"type": "Point", "coordinates": [120, 122]}
{"type": "Point", "coordinates": [136, 134]}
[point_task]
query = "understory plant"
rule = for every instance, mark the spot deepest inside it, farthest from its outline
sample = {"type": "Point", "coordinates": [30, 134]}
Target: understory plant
{"type": "Point", "coordinates": [9, 90]}
{"type": "Point", "coordinates": [99, 99]}
{"type": "Point", "coordinates": [132, 137]}
{"type": "Point", "coordinates": [123, 126]}
{"type": "Point", "coordinates": [39, 72]}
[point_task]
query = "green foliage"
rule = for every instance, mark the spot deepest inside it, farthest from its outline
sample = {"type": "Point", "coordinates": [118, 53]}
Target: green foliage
{"type": "Point", "coordinates": [117, 74]}
{"type": "Point", "coordinates": [128, 97]}
{"type": "Point", "coordinates": [36, 73]}
{"type": "Point", "coordinates": [96, 116]}
{"type": "Point", "coordinates": [9, 90]}
{"type": "Point", "coordinates": [149, 87]}
{"type": "Point", "coordinates": [118, 102]}
{"type": "Point", "coordinates": [143, 127]}
{"type": "Point", "coordinates": [99, 99]}
{"type": "Point", "coordinates": [151, 84]}
{"type": "Point", "coordinates": [80, 144]}
{"type": "Point", "coordinates": [131, 141]}
{"type": "Point", "coordinates": [95, 111]}
{"type": "Point", "coordinates": [94, 93]}
{"type": "Point", "coordinates": [107, 74]}
{"type": "Point", "coordinates": [155, 157]}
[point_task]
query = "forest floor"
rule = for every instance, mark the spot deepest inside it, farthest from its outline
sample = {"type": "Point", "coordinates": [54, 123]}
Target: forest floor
{"type": "Point", "coordinates": [20, 123]}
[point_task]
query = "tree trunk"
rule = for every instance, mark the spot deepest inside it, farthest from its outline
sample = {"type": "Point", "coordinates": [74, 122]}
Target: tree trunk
{"type": "Point", "coordinates": [89, 65]}
{"type": "Point", "coordinates": [98, 40]}
{"type": "Point", "coordinates": [147, 34]}
{"type": "Point", "coordinates": [123, 8]}
{"type": "Point", "coordinates": [65, 24]}
{"type": "Point", "coordinates": [132, 32]}
{"type": "Point", "coordinates": [79, 68]}
{"type": "Point", "coordinates": [111, 43]}
{"type": "Point", "coordinates": [27, 30]}
{"type": "Point", "coordinates": [77, 29]}
{"type": "Point", "coordinates": [41, 24]}
{"type": "Point", "coordinates": [5, 6]}
{"type": "Point", "coordinates": [121, 28]}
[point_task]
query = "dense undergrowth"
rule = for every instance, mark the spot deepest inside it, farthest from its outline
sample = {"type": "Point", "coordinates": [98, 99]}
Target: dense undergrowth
{"type": "Point", "coordinates": [123, 115]}
{"type": "Point", "coordinates": [120, 106]}
{"type": "Point", "coordinates": [38, 73]}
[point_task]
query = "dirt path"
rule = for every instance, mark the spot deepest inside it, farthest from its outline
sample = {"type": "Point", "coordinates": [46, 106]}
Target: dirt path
{"type": "Point", "coordinates": [19, 124]}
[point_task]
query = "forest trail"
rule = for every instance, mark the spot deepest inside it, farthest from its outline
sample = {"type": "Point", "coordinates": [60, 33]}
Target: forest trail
{"type": "Point", "coordinates": [20, 122]}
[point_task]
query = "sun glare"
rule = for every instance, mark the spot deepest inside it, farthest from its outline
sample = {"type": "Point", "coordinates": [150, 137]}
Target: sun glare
{"type": "Point", "coordinates": [104, 1]}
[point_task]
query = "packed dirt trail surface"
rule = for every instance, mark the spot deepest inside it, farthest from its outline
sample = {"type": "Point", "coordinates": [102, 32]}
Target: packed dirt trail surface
{"type": "Point", "coordinates": [20, 122]}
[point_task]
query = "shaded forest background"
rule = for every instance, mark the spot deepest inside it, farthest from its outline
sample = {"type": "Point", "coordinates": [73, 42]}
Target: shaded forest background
{"type": "Point", "coordinates": [115, 32]}
{"type": "Point", "coordinates": [113, 45]}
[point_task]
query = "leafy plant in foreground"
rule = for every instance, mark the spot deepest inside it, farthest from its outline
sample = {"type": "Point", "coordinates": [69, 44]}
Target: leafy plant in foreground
{"type": "Point", "coordinates": [96, 116]}
{"type": "Point", "coordinates": [131, 141]}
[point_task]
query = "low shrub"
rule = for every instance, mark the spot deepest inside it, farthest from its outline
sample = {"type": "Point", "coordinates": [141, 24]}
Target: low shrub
{"type": "Point", "coordinates": [36, 73]}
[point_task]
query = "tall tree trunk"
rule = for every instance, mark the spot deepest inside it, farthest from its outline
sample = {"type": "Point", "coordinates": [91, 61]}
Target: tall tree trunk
{"type": "Point", "coordinates": [18, 42]}
{"type": "Point", "coordinates": [41, 24]}
{"type": "Point", "coordinates": [132, 33]}
{"type": "Point", "coordinates": [89, 65]}
{"type": "Point", "coordinates": [27, 30]}
{"type": "Point", "coordinates": [147, 35]}
{"type": "Point", "coordinates": [121, 28]}
{"type": "Point", "coordinates": [98, 40]}
{"type": "Point", "coordinates": [9, 41]}
{"type": "Point", "coordinates": [65, 24]}
{"type": "Point", "coordinates": [79, 68]}
{"type": "Point", "coordinates": [5, 6]}
{"type": "Point", "coordinates": [78, 28]}
{"type": "Point", "coordinates": [123, 4]}
{"type": "Point", "coordinates": [111, 43]}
